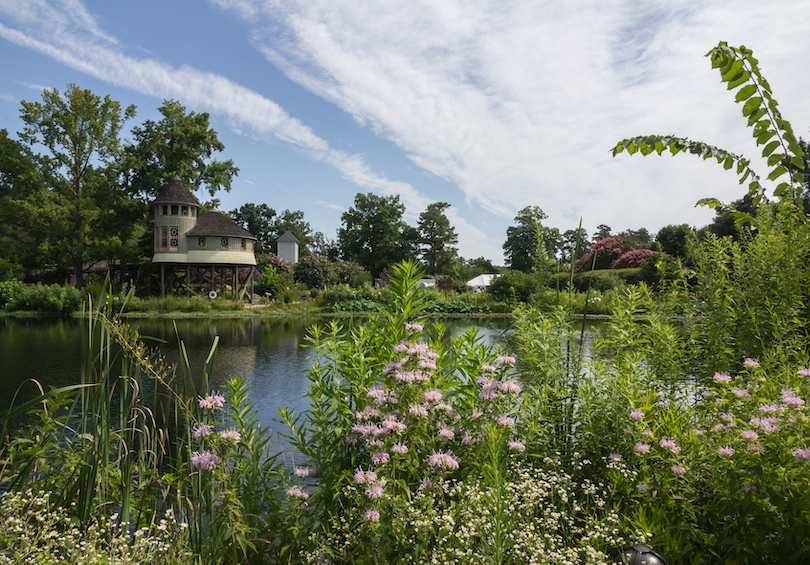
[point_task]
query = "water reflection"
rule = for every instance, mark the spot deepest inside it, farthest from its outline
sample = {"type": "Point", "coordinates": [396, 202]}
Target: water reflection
{"type": "Point", "coordinates": [267, 353]}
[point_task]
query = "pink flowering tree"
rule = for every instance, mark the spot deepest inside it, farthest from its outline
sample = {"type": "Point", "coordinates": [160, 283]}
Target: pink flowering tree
{"type": "Point", "coordinates": [607, 250]}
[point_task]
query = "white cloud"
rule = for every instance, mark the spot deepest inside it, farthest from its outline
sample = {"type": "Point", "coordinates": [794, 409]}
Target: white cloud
{"type": "Point", "coordinates": [518, 103]}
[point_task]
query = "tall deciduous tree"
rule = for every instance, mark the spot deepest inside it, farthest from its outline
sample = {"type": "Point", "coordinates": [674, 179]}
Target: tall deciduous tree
{"type": "Point", "coordinates": [181, 143]}
{"type": "Point", "coordinates": [27, 210]}
{"type": "Point", "coordinates": [258, 220]}
{"type": "Point", "coordinates": [437, 239]}
{"type": "Point", "coordinates": [374, 234]}
{"type": "Point", "coordinates": [79, 130]}
{"type": "Point", "coordinates": [525, 242]}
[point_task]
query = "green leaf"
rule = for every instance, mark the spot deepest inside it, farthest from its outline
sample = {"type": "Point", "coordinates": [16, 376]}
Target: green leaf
{"type": "Point", "coordinates": [775, 158]}
{"type": "Point", "coordinates": [777, 172]}
{"type": "Point", "coordinates": [764, 136]}
{"type": "Point", "coordinates": [770, 148]}
{"type": "Point", "coordinates": [740, 79]}
{"type": "Point", "coordinates": [728, 163]}
{"type": "Point", "coordinates": [753, 118]}
{"type": "Point", "coordinates": [710, 202]}
{"type": "Point", "coordinates": [746, 92]}
{"type": "Point", "coordinates": [752, 105]}
{"type": "Point", "coordinates": [797, 162]}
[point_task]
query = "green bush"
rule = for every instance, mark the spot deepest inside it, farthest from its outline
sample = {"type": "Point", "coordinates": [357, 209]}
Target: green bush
{"type": "Point", "coordinates": [9, 291]}
{"type": "Point", "coordinates": [44, 298]}
{"type": "Point", "coordinates": [513, 286]}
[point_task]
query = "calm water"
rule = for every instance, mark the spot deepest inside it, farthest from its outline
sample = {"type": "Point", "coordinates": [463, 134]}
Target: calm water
{"type": "Point", "coordinates": [267, 353]}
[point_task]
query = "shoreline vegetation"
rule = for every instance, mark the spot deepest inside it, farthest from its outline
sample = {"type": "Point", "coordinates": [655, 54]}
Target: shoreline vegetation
{"type": "Point", "coordinates": [682, 424]}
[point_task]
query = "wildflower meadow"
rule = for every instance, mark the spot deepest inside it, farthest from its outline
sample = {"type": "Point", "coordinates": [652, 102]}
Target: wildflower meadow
{"type": "Point", "coordinates": [682, 424]}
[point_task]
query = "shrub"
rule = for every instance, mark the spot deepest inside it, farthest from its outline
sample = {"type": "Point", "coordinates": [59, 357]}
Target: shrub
{"type": "Point", "coordinates": [607, 250]}
{"type": "Point", "coordinates": [513, 286]}
{"type": "Point", "coordinates": [41, 298]}
{"type": "Point", "coordinates": [9, 291]}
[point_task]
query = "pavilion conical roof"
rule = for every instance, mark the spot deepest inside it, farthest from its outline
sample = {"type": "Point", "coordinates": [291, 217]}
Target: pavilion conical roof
{"type": "Point", "coordinates": [175, 192]}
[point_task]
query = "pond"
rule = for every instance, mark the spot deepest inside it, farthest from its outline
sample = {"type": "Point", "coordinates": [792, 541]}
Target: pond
{"type": "Point", "coordinates": [268, 353]}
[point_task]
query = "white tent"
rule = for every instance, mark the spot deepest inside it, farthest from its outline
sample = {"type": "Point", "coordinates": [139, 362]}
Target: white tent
{"type": "Point", "coordinates": [479, 283]}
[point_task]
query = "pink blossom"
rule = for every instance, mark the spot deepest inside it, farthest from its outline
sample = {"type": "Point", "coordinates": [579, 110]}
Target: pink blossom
{"type": "Point", "coordinates": [804, 371]}
{"type": "Point", "coordinates": [741, 393]}
{"type": "Point", "coordinates": [506, 421]}
{"type": "Point", "coordinates": [615, 456]}
{"type": "Point", "coordinates": [748, 434]}
{"type": "Point", "coordinates": [414, 327]}
{"type": "Point", "coordinates": [669, 444]}
{"type": "Point", "coordinates": [433, 395]}
{"type": "Point", "coordinates": [510, 387]}
{"type": "Point", "coordinates": [399, 448]}
{"type": "Point", "coordinates": [231, 435]}
{"type": "Point", "coordinates": [488, 368]}
{"type": "Point", "coordinates": [301, 472]}
{"type": "Point", "coordinates": [202, 431]}
{"type": "Point", "coordinates": [751, 363]}
{"type": "Point", "coordinates": [725, 450]}
{"type": "Point", "coordinates": [722, 378]}
{"type": "Point", "coordinates": [364, 477]}
{"type": "Point", "coordinates": [801, 453]}
{"type": "Point", "coordinates": [418, 410]}
{"type": "Point", "coordinates": [678, 469]}
{"type": "Point", "coordinates": [517, 446]}
{"type": "Point", "coordinates": [642, 447]}
{"type": "Point", "coordinates": [443, 406]}
{"type": "Point", "coordinates": [206, 460]}
{"type": "Point", "coordinates": [505, 360]}
{"type": "Point", "coordinates": [375, 491]}
{"type": "Point", "coordinates": [643, 487]}
{"type": "Point", "coordinates": [297, 493]}
{"type": "Point", "coordinates": [445, 460]}
{"type": "Point", "coordinates": [756, 448]}
{"type": "Point", "coordinates": [447, 433]}
{"type": "Point", "coordinates": [380, 457]}
{"type": "Point", "coordinates": [212, 401]}
{"type": "Point", "coordinates": [637, 414]}
{"type": "Point", "coordinates": [371, 515]}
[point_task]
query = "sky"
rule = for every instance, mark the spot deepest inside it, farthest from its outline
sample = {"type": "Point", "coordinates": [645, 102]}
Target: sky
{"type": "Point", "coordinates": [488, 105]}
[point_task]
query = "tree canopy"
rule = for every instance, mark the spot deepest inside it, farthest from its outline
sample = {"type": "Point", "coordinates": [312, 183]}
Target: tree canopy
{"type": "Point", "coordinates": [524, 241]}
{"type": "Point", "coordinates": [78, 130]}
{"type": "Point", "coordinates": [437, 240]}
{"type": "Point", "coordinates": [374, 234]}
{"type": "Point", "coordinates": [181, 143]}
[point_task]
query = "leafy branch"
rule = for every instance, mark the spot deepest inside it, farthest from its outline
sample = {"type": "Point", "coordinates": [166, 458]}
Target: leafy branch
{"type": "Point", "coordinates": [740, 71]}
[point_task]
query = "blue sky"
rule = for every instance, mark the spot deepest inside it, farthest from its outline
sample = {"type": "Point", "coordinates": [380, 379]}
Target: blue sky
{"type": "Point", "coordinates": [489, 105]}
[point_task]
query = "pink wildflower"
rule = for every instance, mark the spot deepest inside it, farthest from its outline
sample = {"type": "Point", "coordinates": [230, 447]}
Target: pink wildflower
{"type": "Point", "coordinates": [418, 410]}
{"type": "Point", "coordinates": [804, 371]}
{"type": "Point", "coordinates": [301, 472]}
{"type": "Point", "coordinates": [615, 456]}
{"type": "Point", "coordinates": [447, 433]}
{"type": "Point", "coordinates": [725, 450]}
{"type": "Point", "coordinates": [399, 448]}
{"type": "Point", "coordinates": [375, 491]}
{"type": "Point", "coordinates": [433, 395]}
{"type": "Point", "coordinates": [510, 387]}
{"type": "Point", "coordinates": [642, 447]}
{"type": "Point", "coordinates": [489, 368]}
{"type": "Point", "coordinates": [380, 457]}
{"type": "Point", "coordinates": [506, 421]}
{"type": "Point", "coordinates": [722, 378]}
{"type": "Point", "coordinates": [414, 327]}
{"type": "Point", "coordinates": [517, 446]}
{"type": "Point", "coordinates": [678, 469]}
{"type": "Point", "coordinates": [231, 435]}
{"type": "Point", "coordinates": [212, 401]}
{"type": "Point", "coordinates": [364, 477]}
{"type": "Point", "coordinates": [372, 515]}
{"type": "Point", "coordinates": [801, 453]}
{"type": "Point", "coordinates": [203, 431]}
{"type": "Point", "coordinates": [643, 487]}
{"type": "Point", "coordinates": [669, 444]}
{"type": "Point", "coordinates": [751, 363]}
{"type": "Point", "coordinates": [445, 460]}
{"type": "Point", "coordinates": [206, 460]}
{"type": "Point", "coordinates": [505, 360]}
{"type": "Point", "coordinates": [748, 434]}
{"type": "Point", "coordinates": [297, 493]}
{"type": "Point", "coordinates": [637, 414]}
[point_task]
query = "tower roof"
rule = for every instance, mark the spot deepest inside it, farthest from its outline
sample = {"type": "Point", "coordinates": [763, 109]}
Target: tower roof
{"type": "Point", "coordinates": [217, 223]}
{"type": "Point", "coordinates": [288, 236]}
{"type": "Point", "coordinates": [175, 192]}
